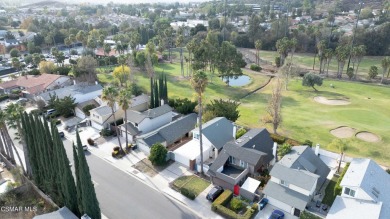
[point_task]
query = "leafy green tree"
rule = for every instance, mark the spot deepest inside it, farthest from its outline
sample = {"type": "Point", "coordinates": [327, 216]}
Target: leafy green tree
{"type": "Point", "coordinates": [158, 154]}
{"type": "Point", "coordinates": [373, 72]}
{"type": "Point", "coordinates": [283, 46]}
{"type": "Point", "coordinates": [350, 72]}
{"type": "Point", "coordinates": [358, 55]}
{"type": "Point", "coordinates": [224, 108]}
{"type": "Point", "coordinates": [199, 83]}
{"type": "Point", "coordinates": [258, 45]}
{"type": "Point", "coordinates": [342, 54]}
{"type": "Point", "coordinates": [14, 52]}
{"type": "Point", "coordinates": [230, 61]}
{"type": "Point", "coordinates": [122, 73]}
{"type": "Point", "coordinates": [310, 80]}
{"type": "Point", "coordinates": [240, 132]}
{"type": "Point", "coordinates": [183, 106]}
{"type": "Point", "coordinates": [284, 149]}
{"type": "Point", "coordinates": [385, 66]}
{"type": "Point", "coordinates": [85, 70]}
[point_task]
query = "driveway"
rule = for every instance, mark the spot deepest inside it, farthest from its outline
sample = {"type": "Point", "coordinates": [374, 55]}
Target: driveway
{"type": "Point", "coordinates": [267, 211]}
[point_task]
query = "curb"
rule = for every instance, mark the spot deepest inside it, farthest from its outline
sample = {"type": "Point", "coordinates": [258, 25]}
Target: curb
{"type": "Point", "coordinates": [167, 194]}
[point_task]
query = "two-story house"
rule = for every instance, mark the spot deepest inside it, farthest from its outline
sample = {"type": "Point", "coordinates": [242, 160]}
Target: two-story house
{"type": "Point", "coordinates": [295, 179]}
{"type": "Point", "coordinates": [247, 156]}
{"type": "Point", "coordinates": [143, 122]}
{"type": "Point", "coordinates": [215, 134]}
{"type": "Point", "coordinates": [365, 193]}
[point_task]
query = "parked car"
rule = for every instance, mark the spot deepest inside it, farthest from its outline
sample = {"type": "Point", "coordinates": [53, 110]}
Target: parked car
{"type": "Point", "coordinates": [21, 101]}
{"type": "Point", "coordinates": [324, 207]}
{"type": "Point", "coordinates": [276, 214]}
{"type": "Point", "coordinates": [50, 111]}
{"type": "Point", "coordinates": [318, 203]}
{"type": "Point", "coordinates": [85, 147]}
{"type": "Point", "coordinates": [214, 193]}
{"type": "Point", "coordinates": [263, 202]}
{"type": "Point", "coordinates": [62, 134]}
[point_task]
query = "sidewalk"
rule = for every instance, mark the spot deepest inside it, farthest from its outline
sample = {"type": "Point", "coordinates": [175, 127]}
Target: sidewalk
{"type": "Point", "coordinates": [160, 182]}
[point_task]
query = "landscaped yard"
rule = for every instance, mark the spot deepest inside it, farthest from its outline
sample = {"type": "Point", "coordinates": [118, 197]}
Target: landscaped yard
{"type": "Point", "coordinates": [329, 192]}
{"type": "Point", "coordinates": [192, 183]}
{"type": "Point", "coordinates": [308, 215]}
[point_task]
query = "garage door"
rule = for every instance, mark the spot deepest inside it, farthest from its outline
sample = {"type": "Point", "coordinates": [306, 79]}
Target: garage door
{"type": "Point", "coordinates": [80, 113]}
{"type": "Point", "coordinates": [96, 125]}
{"type": "Point", "coordinates": [285, 207]}
{"type": "Point", "coordinates": [143, 147]}
{"type": "Point", "coordinates": [182, 159]}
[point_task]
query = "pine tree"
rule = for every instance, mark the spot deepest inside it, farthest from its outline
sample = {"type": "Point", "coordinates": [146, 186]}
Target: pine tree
{"type": "Point", "coordinates": [156, 96]}
{"type": "Point", "coordinates": [88, 195]}
{"type": "Point", "coordinates": [151, 94]}
{"type": "Point", "coordinates": [165, 88]}
{"type": "Point", "coordinates": [78, 184]}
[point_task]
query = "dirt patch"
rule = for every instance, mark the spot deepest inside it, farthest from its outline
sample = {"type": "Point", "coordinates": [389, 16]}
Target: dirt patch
{"type": "Point", "coordinates": [343, 132]}
{"type": "Point", "coordinates": [368, 136]}
{"type": "Point", "coordinates": [146, 167]}
{"type": "Point", "coordinates": [333, 102]}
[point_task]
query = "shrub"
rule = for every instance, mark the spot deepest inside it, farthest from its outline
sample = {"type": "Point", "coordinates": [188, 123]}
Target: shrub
{"type": "Point", "coordinates": [277, 138]}
{"type": "Point", "coordinates": [136, 90]}
{"type": "Point", "coordinates": [87, 108]}
{"type": "Point", "coordinates": [183, 106]}
{"type": "Point", "coordinates": [106, 132]}
{"type": "Point", "coordinates": [90, 141]}
{"type": "Point", "coordinates": [4, 97]}
{"type": "Point", "coordinates": [223, 198]}
{"type": "Point", "coordinates": [116, 148]}
{"type": "Point", "coordinates": [240, 132]}
{"type": "Point", "coordinates": [236, 204]}
{"type": "Point", "coordinates": [114, 153]}
{"type": "Point", "coordinates": [350, 72]}
{"type": "Point", "coordinates": [337, 189]}
{"type": "Point", "coordinates": [34, 72]}
{"type": "Point", "coordinates": [255, 67]}
{"type": "Point", "coordinates": [231, 214]}
{"type": "Point", "coordinates": [14, 96]}
{"type": "Point", "coordinates": [284, 149]}
{"type": "Point", "coordinates": [62, 70]}
{"type": "Point", "coordinates": [308, 143]}
{"type": "Point", "coordinates": [36, 111]}
{"type": "Point", "coordinates": [158, 154]}
{"type": "Point", "coordinates": [293, 142]}
{"type": "Point", "coordinates": [277, 61]}
{"type": "Point", "coordinates": [187, 193]}
{"type": "Point", "coordinates": [373, 72]}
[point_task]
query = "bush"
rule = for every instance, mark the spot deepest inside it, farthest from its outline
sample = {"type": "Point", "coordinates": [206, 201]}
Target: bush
{"type": "Point", "coordinates": [36, 111]}
{"type": "Point", "coordinates": [62, 70]}
{"type": "Point", "coordinates": [14, 96]}
{"type": "Point", "coordinates": [136, 90]}
{"type": "Point", "coordinates": [158, 154]}
{"type": "Point", "coordinates": [373, 72]}
{"type": "Point", "coordinates": [236, 204]}
{"type": "Point", "coordinates": [337, 188]}
{"type": "Point", "coordinates": [182, 106]}
{"type": "Point", "coordinates": [293, 142]}
{"type": "Point", "coordinates": [3, 97]}
{"type": "Point", "coordinates": [284, 149]}
{"type": "Point", "coordinates": [240, 132]}
{"type": "Point", "coordinates": [87, 108]}
{"type": "Point", "coordinates": [34, 72]}
{"type": "Point", "coordinates": [231, 214]}
{"type": "Point", "coordinates": [255, 67]}
{"type": "Point", "coordinates": [308, 143]}
{"type": "Point", "coordinates": [187, 193]}
{"type": "Point", "coordinates": [223, 198]}
{"type": "Point", "coordinates": [56, 121]}
{"type": "Point", "coordinates": [350, 72]}
{"type": "Point", "coordinates": [90, 141]}
{"type": "Point", "coordinates": [114, 153]}
{"type": "Point", "coordinates": [277, 138]}
{"type": "Point", "coordinates": [116, 148]}
{"type": "Point", "coordinates": [106, 132]}
{"type": "Point", "coordinates": [277, 61]}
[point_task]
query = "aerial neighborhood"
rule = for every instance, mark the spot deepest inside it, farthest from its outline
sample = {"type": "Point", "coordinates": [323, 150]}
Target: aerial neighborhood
{"type": "Point", "coordinates": [194, 109]}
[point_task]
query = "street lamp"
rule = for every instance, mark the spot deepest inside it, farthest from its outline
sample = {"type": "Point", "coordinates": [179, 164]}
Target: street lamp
{"type": "Point", "coordinates": [353, 36]}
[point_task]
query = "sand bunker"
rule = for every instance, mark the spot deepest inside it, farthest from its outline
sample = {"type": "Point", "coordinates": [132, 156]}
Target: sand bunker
{"type": "Point", "coordinates": [333, 102]}
{"type": "Point", "coordinates": [343, 132]}
{"type": "Point", "coordinates": [367, 136]}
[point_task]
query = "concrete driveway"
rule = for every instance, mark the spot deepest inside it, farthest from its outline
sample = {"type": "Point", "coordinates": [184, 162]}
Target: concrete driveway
{"type": "Point", "coordinates": [267, 211]}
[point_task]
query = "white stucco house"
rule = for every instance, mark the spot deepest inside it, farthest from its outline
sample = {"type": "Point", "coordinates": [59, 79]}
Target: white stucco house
{"type": "Point", "coordinates": [365, 193]}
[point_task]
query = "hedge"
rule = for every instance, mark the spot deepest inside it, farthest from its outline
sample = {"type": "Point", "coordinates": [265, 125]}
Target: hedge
{"type": "Point", "coordinates": [187, 193]}
{"type": "Point", "coordinates": [337, 189]}
{"type": "Point", "coordinates": [4, 97]}
{"type": "Point", "coordinates": [223, 198]}
{"type": "Point", "coordinates": [226, 212]}
{"type": "Point", "coordinates": [254, 67]}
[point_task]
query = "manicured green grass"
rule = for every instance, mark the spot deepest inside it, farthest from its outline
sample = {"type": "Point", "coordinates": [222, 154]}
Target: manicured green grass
{"type": "Point", "coordinates": [308, 215]}
{"type": "Point", "coordinates": [329, 192]}
{"type": "Point", "coordinates": [192, 183]}
{"type": "Point", "coordinates": [306, 60]}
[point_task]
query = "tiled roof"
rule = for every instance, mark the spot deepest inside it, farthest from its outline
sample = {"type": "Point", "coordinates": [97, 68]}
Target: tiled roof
{"type": "Point", "coordinates": [33, 84]}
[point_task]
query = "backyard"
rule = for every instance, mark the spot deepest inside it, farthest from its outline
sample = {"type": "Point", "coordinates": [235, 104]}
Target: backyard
{"type": "Point", "coordinates": [303, 117]}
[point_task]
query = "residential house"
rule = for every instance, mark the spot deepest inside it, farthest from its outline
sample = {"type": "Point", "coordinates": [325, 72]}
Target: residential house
{"type": "Point", "coordinates": [215, 134]}
{"type": "Point", "coordinates": [79, 112]}
{"type": "Point", "coordinates": [62, 213]}
{"type": "Point", "coordinates": [101, 116]}
{"type": "Point", "coordinates": [80, 92]}
{"type": "Point", "coordinates": [365, 193]}
{"type": "Point", "coordinates": [295, 179]}
{"type": "Point", "coordinates": [147, 121]}
{"type": "Point", "coordinates": [32, 85]}
{"type": "Point", "coordinates": [247, 156]}
{"type": "Point", "coordinates": [170, 134]}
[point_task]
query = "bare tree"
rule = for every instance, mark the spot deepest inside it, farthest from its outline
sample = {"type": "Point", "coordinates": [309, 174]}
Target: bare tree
{"type": "Point", "coordinates": [274, 115]}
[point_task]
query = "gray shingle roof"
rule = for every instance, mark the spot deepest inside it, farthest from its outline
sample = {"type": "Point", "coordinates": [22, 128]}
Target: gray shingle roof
{"type": "Point", "coordinates": [286, 195]}
{"type": "Point", "coordinates": [102, 110]}
{"type": "Point", "coordinates": [173, 131]}
{"type": "Point", "coordinates": [303, 157]}
{"type": "Point", "coordinates": [71, 90]}
{"type": "Point", "coordinates": [244, 154]}
{"type": "Point", "coordinates": [86, 103]}
{"type": "Point", "coordinates": [218, 162]}
{"type": "Point", "coordinates": [62, 213]}
{"type": "Point", "coordinates": [218, 131]}
{"type": "Point", "coordinates": [137, 117]}
{"type": "Point", "coordinates": [300, 178]}
{"type": "Point", "coordinates": [132, 129]}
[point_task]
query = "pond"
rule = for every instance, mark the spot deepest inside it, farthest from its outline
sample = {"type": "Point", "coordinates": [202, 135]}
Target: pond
{"type": "Point", "coordinates": [237, 81]}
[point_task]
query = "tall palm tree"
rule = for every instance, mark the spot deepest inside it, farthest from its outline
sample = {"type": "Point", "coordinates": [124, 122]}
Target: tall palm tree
{"type": "Point", "coordinates": [110, 94]}
{"type": "Point", "coordinates": [199, 83]}
{"type": "Point", "coordinates": [321, 45]}
{"type": "Point", "coordinates": [328, 53]}
{"type": "Point", "coordinates": [342, 54]}
{"type": "Point", "coordinates": [385, 66]}
{"type": "Point", "coordinates": [9, 144]}
{"type": "Point", "coordinates": [124, 100]}
{"type": "Point", "coordinates": [179, 43]}
{"type": "Point", "coordinates": [361, 51]}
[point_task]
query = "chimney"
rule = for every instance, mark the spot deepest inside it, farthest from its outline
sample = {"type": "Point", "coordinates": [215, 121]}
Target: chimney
{"type": "Point", "coordinates": [74, 82]}
{"type": "Point", "coordinates": [162, 102]}
{"type": "Point", "coordinates": [274, 150]}
{"type": "Point", "coordinates": [317, 150]}
{"type": "Point", "coordinates": [234, 131]}
{"type": "Point", "coordinates": [216, 152]}
{"type": "Point", "coordinates": [96, 82]}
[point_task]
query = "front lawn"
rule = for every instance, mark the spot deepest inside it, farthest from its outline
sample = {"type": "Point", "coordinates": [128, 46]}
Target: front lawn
{"type": "Point", "coordinates": [308, 215]}
{"type": "Point", "coordinates": [329, 192]}
{"type": "Point", "coordinates": [192, 183]}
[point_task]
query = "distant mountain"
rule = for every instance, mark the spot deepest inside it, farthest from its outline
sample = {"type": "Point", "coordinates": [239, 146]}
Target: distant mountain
{"type": "Point", "coordinates": [27, 2]}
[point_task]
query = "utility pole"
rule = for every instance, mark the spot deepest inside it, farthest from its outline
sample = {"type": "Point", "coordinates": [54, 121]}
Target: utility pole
{"type": "Point", "coordinates": [354, 32]}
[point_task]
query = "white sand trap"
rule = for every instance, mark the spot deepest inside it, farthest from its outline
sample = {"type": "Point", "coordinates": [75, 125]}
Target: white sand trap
{"type": "Point", "coordinates": [367, 136]}
{"type": "Point", "coordinates": [343, 132]}
{"type": "Point", "coordinates": [333, 102]}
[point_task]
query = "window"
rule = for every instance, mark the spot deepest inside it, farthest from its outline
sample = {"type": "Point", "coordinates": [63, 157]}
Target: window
{"type": "Point", "coordinates": [231, 160]}
{"type": "Point", "coordinates": [196, 136]}
{"type": "Point", "coordinates": [243, 164]}
{"type": "Point", "coordinates": [349, 192]}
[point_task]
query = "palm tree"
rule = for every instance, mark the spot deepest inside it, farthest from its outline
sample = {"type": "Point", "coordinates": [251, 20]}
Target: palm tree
{"type": "Point", "coordinates": [385, 66]}
{"type": "Point", "coordinates": [342, 53]}
{"type": "Point", "coordinates": [12, 115]}
{"type": "Point", "coordinates": [199, 83]}
{"type": "Point", "coordinates": [106, 50]}
{"type": "Point", "coordinates": [320, 48]}
{"type": "Point", "coordinates": [179, 43]}
{"type": "Point", "coordinates": [124, 100]}
{"type": "Point", "coordinates": [361, 51]}
{"type": "Point", "coordinates": [328, 53]}
{"type": "Point", "coordinates": [258, 45]}
{"type": "Point", "coordinates": [110, 94]}
{"type": "Point", "coordinates": [82, 37]}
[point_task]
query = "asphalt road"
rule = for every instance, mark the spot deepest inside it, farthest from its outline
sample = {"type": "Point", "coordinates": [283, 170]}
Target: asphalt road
{"type": "Point", "coordinates": [122, 196]}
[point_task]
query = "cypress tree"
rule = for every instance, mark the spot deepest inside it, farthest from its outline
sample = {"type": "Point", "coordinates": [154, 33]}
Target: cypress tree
{"type": "Point", "coordinates": [89, 200]}
{"type": "Point", "coordinates": [78, 183]}
{"type": "Point", "coordinates": [161, 87]}
{"type": "Point", "coordinates": [151, 94]}
{"type": "Point", "coordinates": [156, 96]}
{"type": "Point", "coordinates": [165, 88]}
